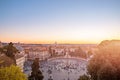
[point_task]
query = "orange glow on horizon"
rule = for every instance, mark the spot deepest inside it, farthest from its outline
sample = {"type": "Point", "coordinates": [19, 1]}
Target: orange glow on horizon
{"type": "Point", "coordinates": [53, 41]}
{"type": "Point", "coordinates": [75, 37]}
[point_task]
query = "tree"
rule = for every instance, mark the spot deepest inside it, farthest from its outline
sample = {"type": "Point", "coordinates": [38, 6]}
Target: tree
{"type": "Point", "coordinates": [84, 77]}
{"type": "Point", "coordinates": [6, 61]}
{"type": "Point", "coordinates": [1, 50]}
{"type": "Point", "coordinates": [10, 51]}
{"type": "Point", "coordinates": [11, 73]}
{"type": "Point", "coordinates": [107, 72]}
{"type": "Point", "coordinates": [104, 65]}
{"type": "Point", "coordinates": [89, 53]}
{"type": "Point", "coordinates": [79, 53]}
{"type": "Point", "coordinates": [36, 74]}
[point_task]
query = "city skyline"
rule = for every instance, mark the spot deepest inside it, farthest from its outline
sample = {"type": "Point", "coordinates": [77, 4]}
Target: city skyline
{"type": "Point", "coordinates": [63, 21]}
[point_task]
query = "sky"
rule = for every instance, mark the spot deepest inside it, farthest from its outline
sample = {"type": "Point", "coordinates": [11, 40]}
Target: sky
{"type": "Point", "coordinates": [62, 21]}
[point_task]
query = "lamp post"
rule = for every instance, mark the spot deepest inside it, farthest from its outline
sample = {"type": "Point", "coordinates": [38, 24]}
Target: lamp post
{"type": "Point", "coordinates": [68, 74]}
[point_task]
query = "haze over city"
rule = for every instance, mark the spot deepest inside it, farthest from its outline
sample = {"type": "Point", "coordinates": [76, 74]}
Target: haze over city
{"type": "Point", "coordinates": [59, 39]}
{"type": "Point", "coordinates": [64, 21]}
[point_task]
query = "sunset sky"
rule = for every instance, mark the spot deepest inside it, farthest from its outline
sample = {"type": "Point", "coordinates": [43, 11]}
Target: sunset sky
{"type": "Point", "coordinates": [64, 21]}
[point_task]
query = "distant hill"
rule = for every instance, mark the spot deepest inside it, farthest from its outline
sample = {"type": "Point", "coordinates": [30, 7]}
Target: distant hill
{"type": "Point", "coordinates": [111, 46]}
{"type": "Point", "coordinates": [109, 43]}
